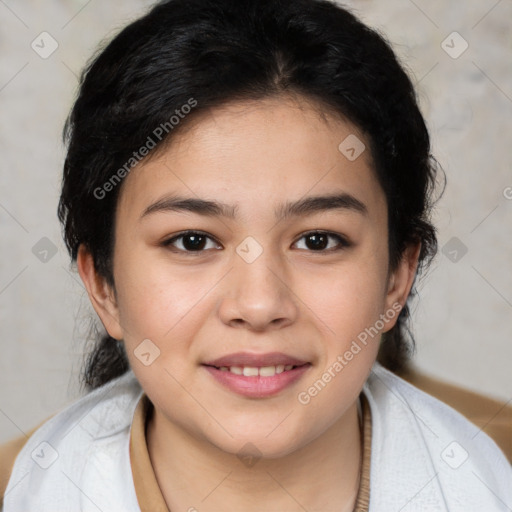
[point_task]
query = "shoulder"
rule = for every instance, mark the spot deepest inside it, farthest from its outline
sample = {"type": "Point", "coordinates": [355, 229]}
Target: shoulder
{"type": "Point", "coordinates": [493, 416]}
{"type": "Point", "coordinates": [83, 445]}
{"type": "Point", "coordinates": [425, 444]}
{"type": "Point", "coordinates": [9, 451]}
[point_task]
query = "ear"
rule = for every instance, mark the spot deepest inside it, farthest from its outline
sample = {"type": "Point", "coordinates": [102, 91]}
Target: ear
{"type": "Point", "coordinates": [401, 280]}
{"type": "Point", "coordinates": [101, 295]}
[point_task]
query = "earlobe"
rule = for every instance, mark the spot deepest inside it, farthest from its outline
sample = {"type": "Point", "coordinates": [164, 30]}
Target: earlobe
{"type": "Point", "coordinates": [101, 295]}
{"type": "Point", "coordinates": [402, 279]}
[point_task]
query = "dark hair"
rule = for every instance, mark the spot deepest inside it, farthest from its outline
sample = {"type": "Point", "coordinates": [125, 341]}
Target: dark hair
{"type": "Point", "coordinates": [212, 52]}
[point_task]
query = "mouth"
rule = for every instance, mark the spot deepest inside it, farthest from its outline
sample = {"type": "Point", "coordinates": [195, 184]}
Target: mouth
{"type": "Point", "coordinates": [257, 376]}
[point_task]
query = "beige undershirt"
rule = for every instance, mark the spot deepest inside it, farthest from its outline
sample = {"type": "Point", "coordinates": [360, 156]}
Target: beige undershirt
{"type": "Point", "coordinates": [149, 494]}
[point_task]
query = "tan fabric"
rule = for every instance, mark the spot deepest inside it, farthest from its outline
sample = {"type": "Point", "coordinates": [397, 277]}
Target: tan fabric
{"type": "Point", "coordinates": [492, 416]}
{"type": "Point", "coordinates": [148, 491]}
{"type": "Point", "coordinates": [363, 497]}
{"type": "Point", "coordinates": [8, 453]}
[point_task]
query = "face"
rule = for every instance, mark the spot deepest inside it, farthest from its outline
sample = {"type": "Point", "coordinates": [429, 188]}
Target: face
{"type": "Point", "coordinates": [266, 277]}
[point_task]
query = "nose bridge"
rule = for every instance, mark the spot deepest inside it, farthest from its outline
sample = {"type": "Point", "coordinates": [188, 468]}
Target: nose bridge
{"type": "Point", "coordinates": [263, 276]}
{"type": "Point", "coordinates": [258, 293]}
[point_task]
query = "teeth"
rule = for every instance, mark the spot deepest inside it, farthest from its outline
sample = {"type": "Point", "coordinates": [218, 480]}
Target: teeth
{"type": "Point", "coordinates": [253, 371]}
{"type": "Point", "coordinates": [267, 371]}
{"type": "Point", "coordinates": [250, 371]}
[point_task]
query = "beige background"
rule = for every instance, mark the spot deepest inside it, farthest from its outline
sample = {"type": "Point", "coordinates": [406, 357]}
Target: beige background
{"type": "Point", "coordinates": [463, 319]}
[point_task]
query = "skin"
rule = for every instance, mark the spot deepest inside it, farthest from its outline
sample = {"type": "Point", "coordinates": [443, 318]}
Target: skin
{"type": "Point", "coordinates": [306, 303]}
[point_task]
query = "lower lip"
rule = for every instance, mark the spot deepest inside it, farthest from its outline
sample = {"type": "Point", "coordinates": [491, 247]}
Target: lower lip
{"type": "Point", "coordinates": [257, 387]}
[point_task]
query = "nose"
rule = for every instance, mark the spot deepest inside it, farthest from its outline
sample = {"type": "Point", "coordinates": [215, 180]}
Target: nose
{"type": "Point", "coordinates": [258, 295]}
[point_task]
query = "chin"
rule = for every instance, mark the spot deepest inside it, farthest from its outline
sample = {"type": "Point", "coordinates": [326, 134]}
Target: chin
{"type": "Point", "coordinates": [259, 444]}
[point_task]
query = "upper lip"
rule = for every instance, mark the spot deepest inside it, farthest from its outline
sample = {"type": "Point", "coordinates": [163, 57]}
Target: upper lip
{"type": "Point", "coordinates": [255, 360]}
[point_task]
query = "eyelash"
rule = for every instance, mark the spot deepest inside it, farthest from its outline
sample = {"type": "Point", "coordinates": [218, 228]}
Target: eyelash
{"type": "Point", "coordinates": [343, 243]}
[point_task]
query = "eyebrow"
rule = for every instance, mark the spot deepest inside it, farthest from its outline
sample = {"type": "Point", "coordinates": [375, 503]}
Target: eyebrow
{"type": "Point", "coordinates": [299, 208]}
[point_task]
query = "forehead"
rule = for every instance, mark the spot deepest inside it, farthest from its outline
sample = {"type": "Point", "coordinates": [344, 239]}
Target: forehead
{"type": "Point", "coordinates": [255, 154]}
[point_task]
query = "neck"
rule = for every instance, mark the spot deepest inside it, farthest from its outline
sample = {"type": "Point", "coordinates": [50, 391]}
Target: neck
{"type": "Point", "coordinates": [194, 475]}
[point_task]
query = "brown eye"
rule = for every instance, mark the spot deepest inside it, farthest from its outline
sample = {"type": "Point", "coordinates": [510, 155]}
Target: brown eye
{"type": "Point", "coordinates": [319, 241]}
{"type": "Point", "coordinates": [190, 241]}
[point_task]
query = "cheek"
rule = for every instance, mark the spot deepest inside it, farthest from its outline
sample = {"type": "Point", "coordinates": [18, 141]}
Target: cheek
{"type": "Point", "coordinates": [156, 305]}
{"type": "Point", "coordinates": [153, 300]}
{"type": "Point", "coordinates": [348, 304]}
{"type": "Point", "coordinates": [349, 298]}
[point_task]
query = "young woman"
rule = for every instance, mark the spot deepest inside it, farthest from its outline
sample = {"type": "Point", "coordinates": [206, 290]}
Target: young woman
{"type": "Point", "coordinates": [246, 195]}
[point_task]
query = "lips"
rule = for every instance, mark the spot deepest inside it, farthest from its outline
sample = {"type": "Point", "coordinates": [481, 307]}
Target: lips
{"type": "Point", "coordinates": [257, 375]}
{"type": "Point", "coordinates": [257, 385]}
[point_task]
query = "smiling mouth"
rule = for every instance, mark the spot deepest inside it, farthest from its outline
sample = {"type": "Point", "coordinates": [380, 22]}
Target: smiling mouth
{"type": "Point", "coordinates": [258, 371]}
{"type": "Point", "coordinates": [257, 381]}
